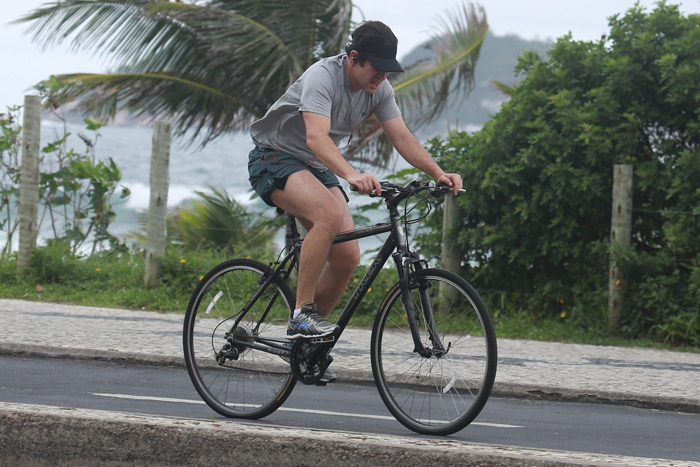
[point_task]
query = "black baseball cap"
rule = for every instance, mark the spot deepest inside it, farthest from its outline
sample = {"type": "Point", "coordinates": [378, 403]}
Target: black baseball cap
{"type": "Point", "coordinates": [382, 57]}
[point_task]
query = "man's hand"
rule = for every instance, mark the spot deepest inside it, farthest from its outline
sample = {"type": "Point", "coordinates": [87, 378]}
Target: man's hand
{"type": "Point", "coordinates": [365, 183]}
{"type": "Point", "coordinates": [415, 154]}
{"type": "Point", "coordinates": [452, 180]}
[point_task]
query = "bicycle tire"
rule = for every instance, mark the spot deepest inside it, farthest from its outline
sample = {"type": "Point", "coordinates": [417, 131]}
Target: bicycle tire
{"type": "Point", "coordinates": [256, 383]}
{"type": "Point", "coordinates": [435, 395]}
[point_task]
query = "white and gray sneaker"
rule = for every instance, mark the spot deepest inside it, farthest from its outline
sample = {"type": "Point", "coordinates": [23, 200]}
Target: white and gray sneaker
{"type": "Point", "coordinates": [309, 324]}
{"type": "Point", "coordinates": [328, 377]}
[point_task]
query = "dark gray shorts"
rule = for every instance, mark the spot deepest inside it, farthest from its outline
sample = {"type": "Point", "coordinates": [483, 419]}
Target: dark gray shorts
{"type": "Point", "coordinates": [268, 170]}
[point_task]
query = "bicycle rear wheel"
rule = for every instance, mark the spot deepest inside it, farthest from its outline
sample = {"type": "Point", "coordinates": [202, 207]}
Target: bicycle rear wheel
{"type": "Point", "coordinates": [442, 393]}
{"type": "Point", "coordinates": [233, 379]}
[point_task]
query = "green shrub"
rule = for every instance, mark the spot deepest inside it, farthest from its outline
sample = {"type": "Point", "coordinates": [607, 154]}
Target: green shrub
{"type": "Point", "coordinates": [8, 269]}
{"type": "Point", "coordinates": [536, 217]}
{"type": "Point", "coordinates": [182, 268]}
{"type": "Point", "coordinates": [54, 263]}
{"type": "Point", "coordinates": [661, 298]}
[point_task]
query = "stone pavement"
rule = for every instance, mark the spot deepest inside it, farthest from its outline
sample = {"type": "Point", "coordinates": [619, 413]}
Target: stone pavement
{"type": "Point", "coordinates": [652, 378]}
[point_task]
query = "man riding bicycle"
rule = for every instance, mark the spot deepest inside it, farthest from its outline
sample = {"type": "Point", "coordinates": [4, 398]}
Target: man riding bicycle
{"type": "Point", "coordinates": [296, 162]}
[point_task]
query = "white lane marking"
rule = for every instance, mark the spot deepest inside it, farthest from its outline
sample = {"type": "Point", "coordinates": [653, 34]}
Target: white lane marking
{"type": "Point", "coordinates": [286, 409]}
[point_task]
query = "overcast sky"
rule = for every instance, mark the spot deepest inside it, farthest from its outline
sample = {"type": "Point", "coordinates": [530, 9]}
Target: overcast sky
{"type": "Point", "coordinates": [24, 64]}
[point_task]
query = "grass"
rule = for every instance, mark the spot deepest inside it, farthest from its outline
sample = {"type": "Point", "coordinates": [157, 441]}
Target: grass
{"type": "Point", "coordinates": [115, 280]}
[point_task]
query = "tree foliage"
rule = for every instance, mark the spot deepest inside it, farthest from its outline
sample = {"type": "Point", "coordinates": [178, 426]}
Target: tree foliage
{"type": "Point", "coordinates": [537, 217]}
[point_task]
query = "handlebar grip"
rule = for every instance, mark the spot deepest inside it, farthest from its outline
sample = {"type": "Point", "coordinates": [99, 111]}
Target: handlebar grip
{"type": "Point", "coordinates": [440, 190]}
{"type": "Point", "coordinates": [371, 194]}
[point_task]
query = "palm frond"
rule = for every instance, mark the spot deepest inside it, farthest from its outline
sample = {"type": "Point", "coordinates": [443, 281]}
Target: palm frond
{"type": "Point", "coordinates": [156, 36]}
{"type": "Point", "coordinates": [213, 66]}
{"type": "Point", "coordinates": [156, 95]}
{"type": "Point", "coordinates": [247, 50]}
{"type": "Point", "coordinates": [423, 93]}
{"type": "Point", "coordinates": [215, 220]}
{"type": "Point", "coordinates": [311, 28]}
{"type": "Point", "coordinates": [121, 29]}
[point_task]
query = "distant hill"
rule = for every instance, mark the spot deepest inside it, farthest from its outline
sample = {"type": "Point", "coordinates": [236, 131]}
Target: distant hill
{"type": "Point", "coordinates": [497, 60]}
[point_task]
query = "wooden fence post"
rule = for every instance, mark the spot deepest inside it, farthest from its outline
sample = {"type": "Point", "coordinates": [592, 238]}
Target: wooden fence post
{"type": "Point", "coordinates": [620, 233]}
{"type": "Point", "coordinates": [157, 209]}
{"type": "Point", "coordinates": [29, 182]}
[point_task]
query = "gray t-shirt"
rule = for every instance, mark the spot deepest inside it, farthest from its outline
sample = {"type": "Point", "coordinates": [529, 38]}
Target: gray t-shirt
{"type": "Point", "coordinates": [325, 89]}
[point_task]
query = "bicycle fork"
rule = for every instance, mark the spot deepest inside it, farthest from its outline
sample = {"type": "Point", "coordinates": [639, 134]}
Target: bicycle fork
{"type": "Point", "coordinates": [405, 274]}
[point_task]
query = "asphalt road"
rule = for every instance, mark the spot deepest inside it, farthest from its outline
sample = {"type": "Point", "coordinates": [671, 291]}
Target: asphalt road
{"type": "Point", "coordinates": [593, 428]}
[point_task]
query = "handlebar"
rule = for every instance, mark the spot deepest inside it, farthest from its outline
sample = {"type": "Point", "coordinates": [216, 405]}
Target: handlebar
{"type": "Point", "coordinates": [390, 189]}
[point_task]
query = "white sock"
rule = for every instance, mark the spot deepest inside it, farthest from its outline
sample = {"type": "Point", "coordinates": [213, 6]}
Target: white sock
{"type": "Point", "coordinates": [296, 313]}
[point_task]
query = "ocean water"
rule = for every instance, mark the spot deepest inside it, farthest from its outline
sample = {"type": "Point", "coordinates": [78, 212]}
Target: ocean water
{"type": "Point", "coordinates": [221, 164]}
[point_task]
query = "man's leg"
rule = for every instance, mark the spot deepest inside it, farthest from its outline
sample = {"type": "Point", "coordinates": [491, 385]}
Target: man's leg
{"type": "Point", "coordinates": [305, 197]}
{"type": "Point", "coordinates": [335, 276]}
{"type": "Point", "coordinates": [342, 261]}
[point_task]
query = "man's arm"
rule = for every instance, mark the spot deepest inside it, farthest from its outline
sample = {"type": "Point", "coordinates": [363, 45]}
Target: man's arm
{"type": "Point", "coordinates": [317, 130]}
{"type": "Point", "coordinates": [415, 154]}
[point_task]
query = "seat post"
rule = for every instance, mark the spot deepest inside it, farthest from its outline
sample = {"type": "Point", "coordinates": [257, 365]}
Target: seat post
{"type": "Point", "coordinates": [292, 233]}
{"type": "Point", "coordinates": [292, 229]}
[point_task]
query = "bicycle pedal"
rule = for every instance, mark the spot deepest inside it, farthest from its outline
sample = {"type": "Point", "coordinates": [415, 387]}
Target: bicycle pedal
{"type": "Point", "coordinates": [322, 383]}
{"type": "Point", "coordinates": [322, 340]}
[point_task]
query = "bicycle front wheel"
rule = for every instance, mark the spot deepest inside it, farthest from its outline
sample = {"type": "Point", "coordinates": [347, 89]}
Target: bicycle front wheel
{"type": "Point", "coordinates": [234, 379]}
{"type": "Point", "coordinates": [441, 393]}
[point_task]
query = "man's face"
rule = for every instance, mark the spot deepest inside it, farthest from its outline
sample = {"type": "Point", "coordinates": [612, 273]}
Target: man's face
{"type": "Point", "coordinates": [366, 77]}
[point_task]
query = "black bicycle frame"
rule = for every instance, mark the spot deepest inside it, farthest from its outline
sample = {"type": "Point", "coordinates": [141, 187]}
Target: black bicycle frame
{"type": "Point", "coordinates": [395, 246]}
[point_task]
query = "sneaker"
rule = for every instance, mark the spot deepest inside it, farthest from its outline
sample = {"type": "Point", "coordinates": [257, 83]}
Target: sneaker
{"type": "Point", "coordinates": [309, 324]}
{"type": "Point", "coordinates": [328, 377]}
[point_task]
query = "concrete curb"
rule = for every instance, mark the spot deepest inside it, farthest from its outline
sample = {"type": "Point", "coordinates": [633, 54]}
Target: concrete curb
{"type": "Point", "coordinates": [525, 391]}
{"type": "Point", "coordinates": [40, 435]}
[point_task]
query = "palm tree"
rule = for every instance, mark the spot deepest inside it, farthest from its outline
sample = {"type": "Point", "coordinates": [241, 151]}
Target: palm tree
{"type": "Point", "coordinates": [215, 220]}
{"type": "Point", "coordinates": [213, 66]}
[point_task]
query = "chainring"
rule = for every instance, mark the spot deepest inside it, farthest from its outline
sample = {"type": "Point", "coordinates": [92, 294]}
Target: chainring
{"type": "Point", "coordinates": [306, 368]}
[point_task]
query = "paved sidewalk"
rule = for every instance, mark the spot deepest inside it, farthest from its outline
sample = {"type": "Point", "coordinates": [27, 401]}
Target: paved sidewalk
{"type": "Point", "coordinates": [653, 378]}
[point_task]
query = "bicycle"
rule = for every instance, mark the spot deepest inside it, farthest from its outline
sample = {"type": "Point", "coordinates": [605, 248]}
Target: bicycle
{"type": "Point", "coordinates": [433, 346]}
